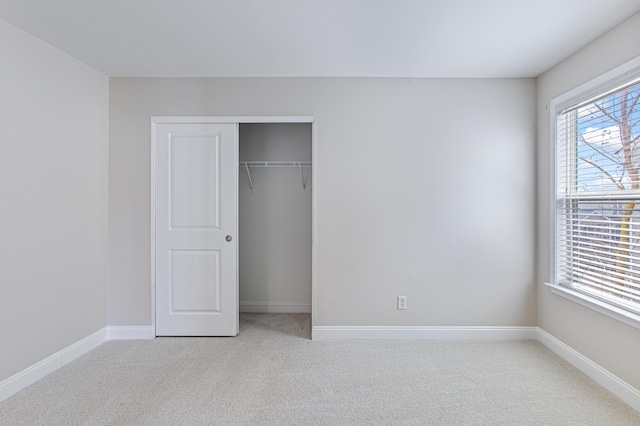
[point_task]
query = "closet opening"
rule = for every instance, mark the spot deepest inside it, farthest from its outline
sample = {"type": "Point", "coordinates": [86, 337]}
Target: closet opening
{"type": "Point", "coordinates": [275, 221]}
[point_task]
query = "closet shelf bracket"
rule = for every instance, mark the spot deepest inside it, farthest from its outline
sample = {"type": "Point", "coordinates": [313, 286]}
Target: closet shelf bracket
{"type": "Point", "coordinates": [246, 166]}
{"type": "Point", "coordinates": [304, 180]}
{"type": "Point", "coordinates": [265, 164]}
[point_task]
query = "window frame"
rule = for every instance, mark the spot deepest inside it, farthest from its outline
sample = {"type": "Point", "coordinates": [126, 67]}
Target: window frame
{"type": "Point", "coordinates": [589, 90]}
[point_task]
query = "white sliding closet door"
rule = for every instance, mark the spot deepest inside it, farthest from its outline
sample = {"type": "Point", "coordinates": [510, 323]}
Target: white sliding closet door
{"type": "Point", "coordinates": [196, 229]}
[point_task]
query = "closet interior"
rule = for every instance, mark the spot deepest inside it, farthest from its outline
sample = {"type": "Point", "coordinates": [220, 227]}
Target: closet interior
{"type": "Point", "coordinates": [274, 217]}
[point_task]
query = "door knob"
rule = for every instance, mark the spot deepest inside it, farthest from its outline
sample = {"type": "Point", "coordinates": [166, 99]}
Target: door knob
{"type": "Point", "coordinates": [228, 238]}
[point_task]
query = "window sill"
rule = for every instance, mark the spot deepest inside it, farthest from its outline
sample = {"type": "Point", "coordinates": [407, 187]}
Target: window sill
{"type": "Point", "coordinates": [621, 315]}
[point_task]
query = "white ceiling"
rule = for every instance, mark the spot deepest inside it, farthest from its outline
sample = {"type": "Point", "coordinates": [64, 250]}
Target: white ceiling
{"type": "Point", "coordinates": [386, 38]}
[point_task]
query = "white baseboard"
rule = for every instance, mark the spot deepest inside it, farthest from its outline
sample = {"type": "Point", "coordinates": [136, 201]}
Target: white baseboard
{"type": "Point", "coordinates": [623, 390]}
{"type": "Point", "coordinates": [603, 377]}
{"type": "Point", "coordinates": [600, 375]}
{"type": "Point", "coordinates": [142, 332]}
{"type": "Point", "coordinates": [30, 375]}
{"type": "Point", "coordinates": [274, 307]}
{"type": "Point", "coordinates": [422, 333]}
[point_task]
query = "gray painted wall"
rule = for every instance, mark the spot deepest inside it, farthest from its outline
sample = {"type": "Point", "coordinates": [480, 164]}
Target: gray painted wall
{"type": "Point", "coordinates": [275, 220]}
{"type": "Point", "coordinates": [425, 188]}
{"type": "Point", "coordinates": [608, 342]}
{"type": "Point", "coordinates": [53, 181]}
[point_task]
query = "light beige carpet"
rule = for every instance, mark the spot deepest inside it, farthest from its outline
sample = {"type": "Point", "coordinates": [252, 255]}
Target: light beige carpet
{"type": "Point", "coordinates": [273, 374]}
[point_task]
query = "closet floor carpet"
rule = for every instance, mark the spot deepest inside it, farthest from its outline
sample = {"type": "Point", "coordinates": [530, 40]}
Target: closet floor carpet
{"type": "Point", "coordinates": [273, 374]}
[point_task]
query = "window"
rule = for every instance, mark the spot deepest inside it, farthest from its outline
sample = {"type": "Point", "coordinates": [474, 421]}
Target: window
{"type": "Point", "coordinates": [598, 196]}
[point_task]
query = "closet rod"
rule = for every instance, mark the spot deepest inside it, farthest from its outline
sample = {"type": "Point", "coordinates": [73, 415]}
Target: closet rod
{"type": "Point", "coordinates": [297, 164]}
{"type": "Point", "coordinates": [275, 164]}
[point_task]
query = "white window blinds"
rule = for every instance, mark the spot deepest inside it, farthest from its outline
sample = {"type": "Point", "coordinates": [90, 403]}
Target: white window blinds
{"type": "Point", "coordinates": [598, 197]}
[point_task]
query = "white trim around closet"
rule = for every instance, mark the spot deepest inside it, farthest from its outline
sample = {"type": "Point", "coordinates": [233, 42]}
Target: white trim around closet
{"type": "Point", "coordinates": [237, 120]}
{"type": "Point", "coordinates": [234, 119]}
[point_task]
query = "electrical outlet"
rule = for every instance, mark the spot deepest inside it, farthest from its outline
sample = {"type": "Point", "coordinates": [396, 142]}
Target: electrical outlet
{"type": "Point", "coordinates": [402, 302]}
